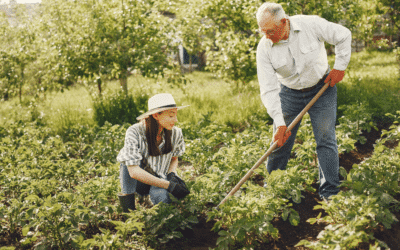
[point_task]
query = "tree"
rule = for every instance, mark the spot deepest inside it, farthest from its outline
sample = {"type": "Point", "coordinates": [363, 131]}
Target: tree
{"type": "Point", "coordinates": [98, 40]}
{"type": "Point", "coordinates": [232, 38]}
{"type": "Point", "coordinates": [17, 51]}
{"type": "Point", "coordinates": [390, 11]}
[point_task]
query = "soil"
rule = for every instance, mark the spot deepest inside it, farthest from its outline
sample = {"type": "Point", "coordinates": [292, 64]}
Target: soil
{"type": "Point", "coordinates": [202, 238]}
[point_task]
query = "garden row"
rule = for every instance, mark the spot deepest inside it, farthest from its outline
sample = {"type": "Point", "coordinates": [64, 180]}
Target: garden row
{"type": "Point", "coordinates": [60, 192]}
{"type": "Point", "coordinates": [372, 185]}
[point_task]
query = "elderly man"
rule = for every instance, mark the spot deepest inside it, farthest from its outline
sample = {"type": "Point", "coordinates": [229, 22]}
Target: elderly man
{"type": "Point", "coordinates": [292, 66]}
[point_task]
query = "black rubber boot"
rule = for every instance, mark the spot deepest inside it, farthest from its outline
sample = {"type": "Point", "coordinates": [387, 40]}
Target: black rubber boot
{"type": "Point", "coordinates": [127, 202]}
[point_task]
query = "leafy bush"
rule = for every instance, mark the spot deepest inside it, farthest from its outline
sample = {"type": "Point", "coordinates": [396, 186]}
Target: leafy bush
{"type": "Point", "coordinates": [381, 45]}
{"type": "Point", "coordinates": [118, 108]}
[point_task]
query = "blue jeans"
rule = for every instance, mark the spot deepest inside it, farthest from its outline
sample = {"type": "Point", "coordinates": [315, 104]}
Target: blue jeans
{"type": "Point", "coordinates": [323, 119]}
{"type": "Point", "coordinates": [128, 186]}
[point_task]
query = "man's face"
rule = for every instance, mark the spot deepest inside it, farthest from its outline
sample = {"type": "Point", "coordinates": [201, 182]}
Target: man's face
{"type": "Point", "coordinates": [275, 31]}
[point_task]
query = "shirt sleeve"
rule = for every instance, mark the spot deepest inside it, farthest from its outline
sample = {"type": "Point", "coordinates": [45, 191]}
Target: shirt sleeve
{"type": "Point", "coordinates": [337, 35]}
{"type": "Point", "coordinates": [131, 153]}
{"type": "Point", "coordinates": [179, 143]}
{"type": "Point", "coordinates": [269, 84]}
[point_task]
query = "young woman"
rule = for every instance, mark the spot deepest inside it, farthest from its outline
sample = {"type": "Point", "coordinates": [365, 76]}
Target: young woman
{"type": "Point", "coordinates": [149, 158]}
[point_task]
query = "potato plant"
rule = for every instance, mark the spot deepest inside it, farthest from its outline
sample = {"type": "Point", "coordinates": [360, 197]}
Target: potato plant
{"type": "Point", "coordinates": [353, 215]}
{"type": "Point", "coordinates": [59, 191]}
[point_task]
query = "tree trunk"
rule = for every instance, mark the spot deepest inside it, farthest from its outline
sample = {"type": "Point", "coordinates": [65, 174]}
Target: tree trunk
{"type": "Point", "coordinates": [20, 84]}
{"type": "Point", "coordinates": [179, 61]}
{"type": "Point", "coordinates": [190, 63]}
{"type": "Point", "coordinates": [123, 80]}
{"type": "Point", "coordinates": [99, 85]}
{"type": "Point", "coordinates": [5, 96]}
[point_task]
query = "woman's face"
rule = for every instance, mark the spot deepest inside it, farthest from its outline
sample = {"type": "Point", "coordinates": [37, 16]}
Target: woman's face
{"type": "Point", "coordinates": [167, 118]}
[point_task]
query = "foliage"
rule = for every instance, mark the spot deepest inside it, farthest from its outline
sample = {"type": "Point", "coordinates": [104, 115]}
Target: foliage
{"type": "Point", "coordinates": [118, 108]}
{"type": "Point", "coordinates": [397, 53]}
{"type": "Point", "coordinates": [232, 40]}
{"type": "Point", "coordinates": [164, 222]}
{"type": "Point", "coordinates": [88, 41]}
{"type": "Point", "coordinates": [70, 182]}
{"type": "Point", "coordinates": [390, 10]}
{"type": "Point", "coordinates": [356, 119]}
{"type": "Point", "coordinates": [17, 51]}
{"type": "Point", "coordinates": [353, 215]}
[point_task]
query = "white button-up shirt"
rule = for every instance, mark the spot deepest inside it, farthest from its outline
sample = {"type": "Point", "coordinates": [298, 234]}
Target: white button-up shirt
{"type": "Point", "coordinates": [300, 61]}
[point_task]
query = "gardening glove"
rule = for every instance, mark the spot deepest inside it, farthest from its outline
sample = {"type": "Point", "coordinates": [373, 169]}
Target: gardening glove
{"type": "Point", "coordinates": [178, 190]}
{"type": "Point", "coordinates": [173, 176]}
{"type": "Point", "coordinates": [334, 77]}
{"type": "Point", "coordinates": [280, 135]}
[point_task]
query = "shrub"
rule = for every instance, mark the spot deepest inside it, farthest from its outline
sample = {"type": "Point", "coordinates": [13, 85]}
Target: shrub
{"type": "Point", "coordinates": [118, 108]}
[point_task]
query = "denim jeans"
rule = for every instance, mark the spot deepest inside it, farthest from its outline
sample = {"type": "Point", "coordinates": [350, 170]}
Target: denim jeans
{"type": "Point", "coordinates": [128, 186]}
{"type": "Point", "coordinates": [323, 119]}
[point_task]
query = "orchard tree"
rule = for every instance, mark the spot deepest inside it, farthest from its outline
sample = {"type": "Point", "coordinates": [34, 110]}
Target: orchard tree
{"type": "Point", "coordinates": [231, 47]}
{"type": "Point", "coordinates": [233, 37]}
{"type": "Point", "coordinates": [356, 15]}
{"type": "Point", "coordinates": [17, 51]}
{"type": "Point", "coordinates": [7, 67]}
{"type": "Point", "coordinates": [65, 33]}
{"type": "Point", "coordinates": [189, 27]}
{"type": "Point", "coordinates": [98, 40]}
{"type": "Point", "coordinates": [134, 36]}
{"type": "Point", "coordinates": [364, 27]}
{"type": "Point", "coordinates": [390, 11]}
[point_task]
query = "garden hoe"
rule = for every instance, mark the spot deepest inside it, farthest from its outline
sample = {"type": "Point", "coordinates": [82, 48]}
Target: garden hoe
{"type": "Point", "coordinates": [272, 148]}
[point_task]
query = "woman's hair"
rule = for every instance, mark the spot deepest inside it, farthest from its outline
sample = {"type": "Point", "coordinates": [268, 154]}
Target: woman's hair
{"type": "Point", "coordinates": [151, 136]}
{"type": "Point", "coordinates": [274, 10]}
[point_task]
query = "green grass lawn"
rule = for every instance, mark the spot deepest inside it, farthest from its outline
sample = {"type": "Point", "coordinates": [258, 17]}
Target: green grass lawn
{"type": "Point", "coordinates": [372, 78]}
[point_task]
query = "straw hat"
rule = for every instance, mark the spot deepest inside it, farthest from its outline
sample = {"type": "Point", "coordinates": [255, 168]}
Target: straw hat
{"type": "Point", "coordinates": [158, 103]}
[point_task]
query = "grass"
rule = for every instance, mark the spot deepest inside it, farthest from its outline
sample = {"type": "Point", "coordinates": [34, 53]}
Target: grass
{"type": "Point", "coordinates": [204, 93]}
{"type": "Point", "coordinates": [58, 111]}
{"type": "Point", "coordinates": [371, 78]}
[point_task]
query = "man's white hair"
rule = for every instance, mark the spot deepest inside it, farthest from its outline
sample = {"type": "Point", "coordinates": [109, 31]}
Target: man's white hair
{"type": "Point", "coordinates": [273, 10]}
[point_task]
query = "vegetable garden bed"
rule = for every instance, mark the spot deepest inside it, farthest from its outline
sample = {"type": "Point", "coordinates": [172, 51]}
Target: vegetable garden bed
{"type": "Point", "coordinates": [60, 192]}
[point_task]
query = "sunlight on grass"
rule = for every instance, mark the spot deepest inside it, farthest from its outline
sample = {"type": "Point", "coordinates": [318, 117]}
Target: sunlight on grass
{"type": "Point", "coordinates": [205, 93]}
{"type": "Point", "coordinates": [372, 77]}
{"type": "Point", "coordinates": [71, 107]}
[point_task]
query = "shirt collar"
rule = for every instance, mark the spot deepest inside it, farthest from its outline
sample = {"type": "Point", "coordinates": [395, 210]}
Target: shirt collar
{"type": "Point", "coordinates": [294, 26]}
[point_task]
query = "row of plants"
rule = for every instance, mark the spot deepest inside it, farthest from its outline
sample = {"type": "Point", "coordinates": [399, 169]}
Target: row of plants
{"type": "Point", "coordinates": [222, 159]}
{"type": "Point", "coordinates": [60, 191]}
{"type": "Point", "coordinates": [372, 185]}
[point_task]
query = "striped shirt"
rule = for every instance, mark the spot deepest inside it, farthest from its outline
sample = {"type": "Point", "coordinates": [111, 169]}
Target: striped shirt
{"type": "Point", "coordinates": [136, 147]}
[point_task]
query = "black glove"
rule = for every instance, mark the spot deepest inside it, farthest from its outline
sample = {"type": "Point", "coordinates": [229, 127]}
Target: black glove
{"type": "Point", "coordinates": [173, 176]}
{"type": "Point", "coordinates": [178, 190]}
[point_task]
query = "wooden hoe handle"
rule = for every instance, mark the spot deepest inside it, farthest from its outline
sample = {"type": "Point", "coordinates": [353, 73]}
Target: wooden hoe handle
{"type": "Point", "coordinates": [272, 148]}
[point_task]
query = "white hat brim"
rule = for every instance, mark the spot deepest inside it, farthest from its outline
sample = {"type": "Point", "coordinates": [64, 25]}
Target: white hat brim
{"type": "Point", "coordinates": [157, 110]}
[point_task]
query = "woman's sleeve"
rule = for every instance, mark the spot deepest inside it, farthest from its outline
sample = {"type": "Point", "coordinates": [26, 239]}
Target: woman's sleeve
{"type": "Point", "coordinates": [131, 153]}
{"type": "Point", "coordinates": [179, 143]}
